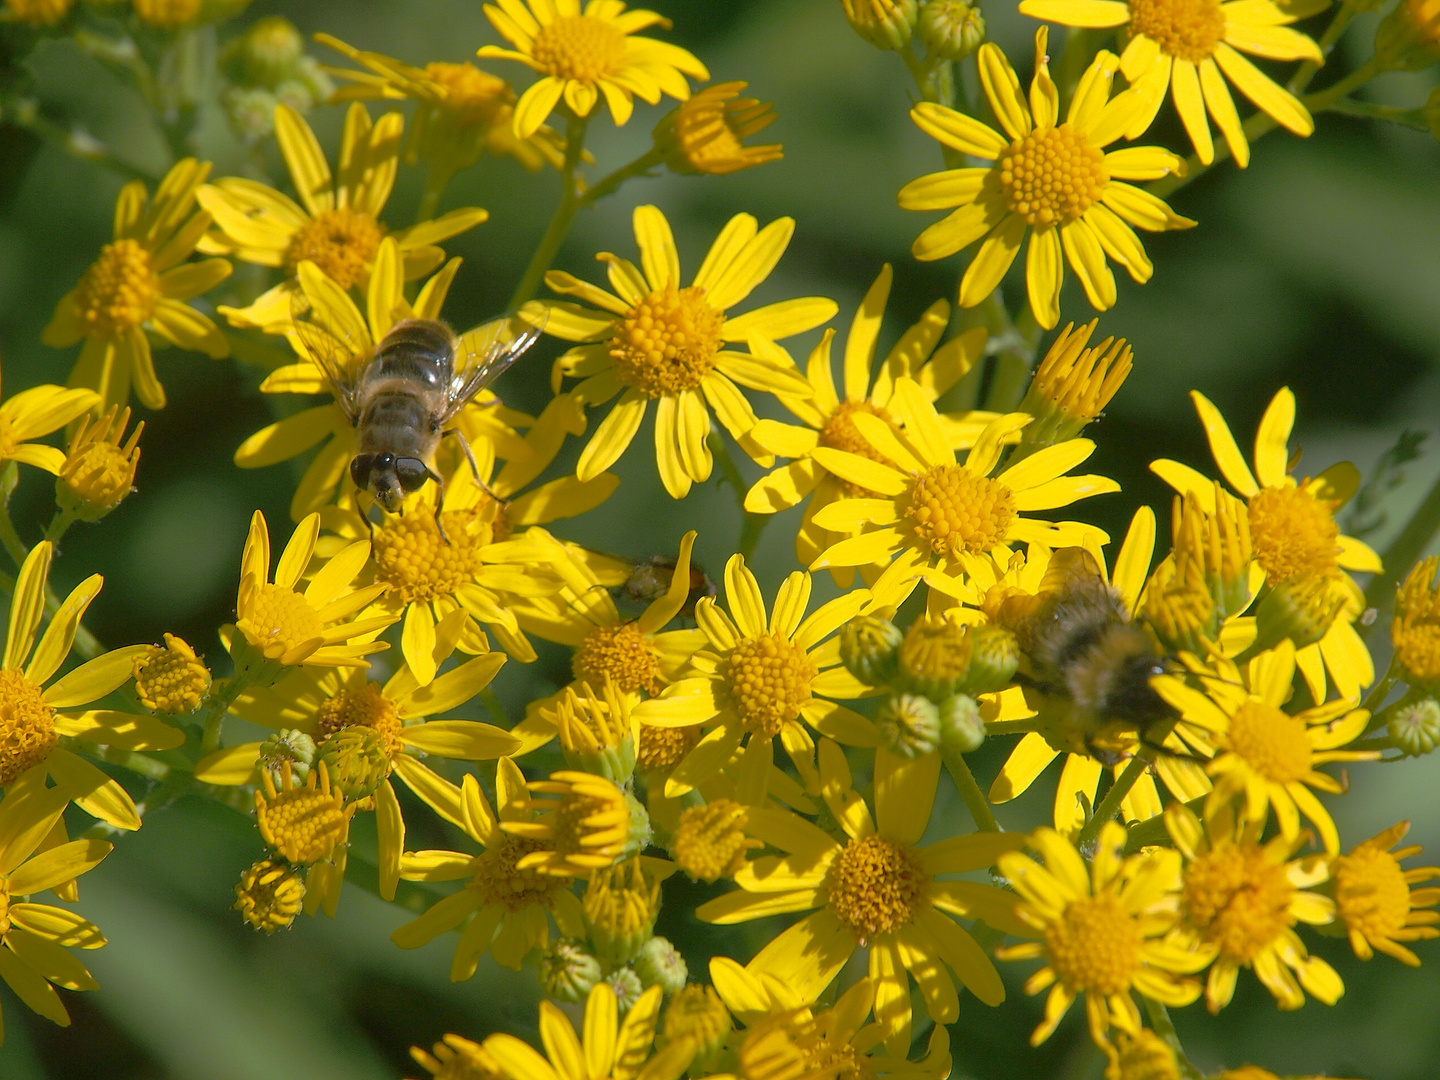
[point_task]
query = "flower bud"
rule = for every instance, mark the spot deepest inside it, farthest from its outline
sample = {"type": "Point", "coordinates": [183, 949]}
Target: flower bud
{"type": "Point", "coordinates": [627, 987]}
{"type": "Point", "coordinates": [290, 745]}
{"type": "Point", "coordinates": [166, 14]}
{"type": "Point", "coordinates": [705, 134]}
{"type": "Point", "coordinates": [1142, 1056]}
{"type": "Point", "coordinates": [357, 759]}
{"type": "Point", "coordinates": [595, 731]}
{"type": "Point", "coordinates": [250, 111]}
{"type": "Point", "coordinates": [886, 24]}
{"type": "Point", "coordinates": [99, 471]}
{"type": "Point", "coordinates": [961, 727]}
{"type": "Point", "coordinates": [39, 12]}
{"type": "Point", "coordinates": [568, 972]}
{"type": "Point", "coordinates": [266, 54]}
{"type": "Point", "coordinates": [697, 1013]}
{"type": "Point", "coordinates": [1413, 725]}
{"type": "Point", "coordinates": [867, 648]}
{"type": "Point", "coordinates": [952, 29]}
{"type": "Point", "coordinates": [1301, 609]}
{"type": "Point", "coordinates": [994, 656]}
{"type": "Point", "coordinates": [934, 657]}
{"type": "Point", "coordinates": [909, 725]}
{"type": "Point", "coordinates": [620, 907]}
{"type": "Point", "coordinates": [660, 964]}
{"type": "Point", "coordinates": [170, 680]}
{"type": "Point", "coordinates": [641, 833]}
{"type": "Point", "coordinates": [710, 841]}
{"type": "Point", "coordinates": [270, 895]}
{"type": "Point", "coordinates": [1408, 38]}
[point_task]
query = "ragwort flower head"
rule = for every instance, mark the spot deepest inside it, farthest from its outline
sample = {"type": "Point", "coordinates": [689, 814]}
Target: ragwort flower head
{"type": "Point", "coordinates": [582, 822]}
{"type": "Point", "coordinates": [1193, 46]}
{"type": "Point", "coordinates": [140, 283]}
{"type": "Point", "coordinates": [1049, 177]}
{"type": "Point", "coordinates": [1415, 629]}
{"type": "Point", "coordinates": [38, 13]}
{"type": "Point", "coordinates": [336, 225]}
{"type": "Point", "coordinates": [33, 413]}
{"type": "Point", "coordinates": [458, 1058]}
{"type": "Point", "coordinates": [657, 340]}
{"type": "Point", "coordinates": [1375, 901]}
{"type": "Point", "coordinates": [705, 135]}
{"type": "Point", "coordinates": [581, 55]}
{"type": "Point", "coordinates": [875, 888]}
{"type": "Point", "coordinates": [99, 470]}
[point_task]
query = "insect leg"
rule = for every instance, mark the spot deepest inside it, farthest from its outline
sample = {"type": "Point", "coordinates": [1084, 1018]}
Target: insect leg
{"type": "Point", "coordinates": [439, 501]}
{"type": "Point", "coordinates": [474, 468]}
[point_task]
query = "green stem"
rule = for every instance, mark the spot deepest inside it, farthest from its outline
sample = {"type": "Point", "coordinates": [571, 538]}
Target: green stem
{"type": "Point", "coordinates": [58, 526]}
{"type": "Point", "coordinates": [8, 536]}
{"type": "Point", "coordinates": [1381, 691]}
{"type": "Point", "coordinates": [1161, 1024]}
{"type": "Point", "coordinates": [975, 801]}
{"type": "Point", "coordinates": [559, 225]}
{"type": "Point", "coordinates": [1110, 804]}
{"type": "Point", "coordinates": [1367, 110]}
{"type": "Point", "coordinates": [607, 185]}
{"type": "Point", "coordinates": [220, 705]}
{"type": "Point", "coordinates": [1152, 831]}
{"type": "Point", "coordinates": [144, 764]}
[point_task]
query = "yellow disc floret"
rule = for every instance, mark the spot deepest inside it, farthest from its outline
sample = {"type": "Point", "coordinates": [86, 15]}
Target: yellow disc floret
{"type": "Point", "coordinates": [579, 47]}
{"type": "Point", "coordinates": [1292, 533]}
{"type": "Point", "coordinates": [954, 511]}
{"type": "Point", "coordinates": [661, 749]}
{"type": "Point", "coordinates": [498, 880]}
{"type": "Point", "coordinates": [342, 243]}
{"type": "Point", "coordinates": [472, 96]}
{"type": "Point", "coordinates": [364, 707]}
{"type": "Point", "coordinates": [1095, 945]}
{"type": "Point", "coordinates": [710, 840]}
{"type": "Point", "coordinates": [270, 895]}
{"type": "Point", "coordinates": [667, 342]}
{"type": "Point", "coordinates": [415, 561]}
{"type": "Point", "coordinates": [118, 292]}
{"type": "Point", "coordinates": [840, 433]}
{"type": "Point", "coordinates": [769, 682]}
{"type": "Point", "coordinates": [172, 679]}
{"type": "Point", "coordinates": [620, 653]}
{"type": "Point", "coordinates": [1052, 175]}
{"type": "Point", "coordinates": [27, 726]}
{"type": "Point", "coordinates": [1238, 899]}
{"type": "Point", "coordinates": [279, 619]}
{"type": "Point", "coordinates": [1184, 29]}
{"type": "Point", "coordinates": [874, 887]}
{"type": "Point", "coordinates": [1273, 743]}
{"type": "Point", "coordinates": [303, 824]}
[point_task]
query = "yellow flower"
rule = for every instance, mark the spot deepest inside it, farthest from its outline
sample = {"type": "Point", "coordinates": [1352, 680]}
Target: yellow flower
{"type": "Point", "coordinates": [1189, 45]}
{"type": "Point", "coordinates": [759, 679]}
{"type": "Point", "coordinates": [1375, 901]}
{"type": "Point", "coordinates": [832, 421]}
{"type": "Point", "coordinates": [1415, 629]}
{"type": "Point", "coordinates": [582, 55]}
{"type": "Point", "coordinates": [316, 626]}
{"type": "Point", "coordinates": [337, 223]}
{"type": "Point", "coordinates": [33, 413]}
{"type": "Point", "coordinates": [583, 824]}
{"type": "Point", "coordinates": [38, 12]}
{"type": "Point", "coordinates": [1268, 757]}
{"type": "Point", "coordinates": [1047, 176]}
{"type": "Point", "coordinates": [1142, 1056]}
{"type": "Point", "coordinates": [657, 340]}
{"type": "Point", "coordinates": [875, 888]}
{"type": "Point", "coordinates": [167, 14]}
{"type": "Point", "coordinates": [35, 935]}
{"type": "Point", "coordinates": [704, 136]}
{"type": "Point", "coordinates": [1293, 533]}
{"type": "Point", "coordinates": [1099, 928]}
{"type": "Point", "coordinates": [457, 1058]}
{"type": "Point", "coordinates": [99, 470]}
{"type": "Point", "coordinates": [170, 679]}
{"type": "Point", "coordinates": [1238, 905]}
{"type": "Point", "coordinates": [462, 111]}
{"type": "Point", "coordinates": [307, 824]}
{"type": "Point", "coordinates": [34, 717]}
{"type": "Point", "coordinates": [512, 905]}
{"type": "Point", "coordinates": [139, 283]}
{"type": "Point", "coordinates": [933, 519]}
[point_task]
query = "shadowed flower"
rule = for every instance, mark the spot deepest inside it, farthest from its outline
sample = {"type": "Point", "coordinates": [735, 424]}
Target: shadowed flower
{"type": "Point", "coordinates": [704, 136]}
{"type": "Point", "coordinates": [1375, 901]}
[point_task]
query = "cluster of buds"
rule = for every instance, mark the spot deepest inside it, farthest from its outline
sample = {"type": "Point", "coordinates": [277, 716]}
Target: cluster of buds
{"type": "Point", "coordinates": [264, 67]}
{"type": "Point", "coordinates": [1071, 387]}
{"type": "Point", "coordinates": [934, 672]}
{"type": "Point", "coordinates": [949, 29]}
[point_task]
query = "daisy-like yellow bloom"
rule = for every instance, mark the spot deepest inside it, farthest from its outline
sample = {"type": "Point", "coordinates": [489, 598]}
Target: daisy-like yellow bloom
{"type": "Point", "coordinates": [1142, 1056]}
{"type": "Point", "coordinates": [581, 55]}
{"type": "Point", "coordinates": [1050, 177]}
{"type": "Point", "coordinates": [316, 626]}
{"type": "Point", "coordinates": [1375, 901]}
{"type": "Point", "coordinates": [1099, 929]}
{"type": "Point", "coordinates": [34, 717]}
{"type": "Point", "coordinates": [581, 822]}
{"type": "Point", "coordinates": [348, 337]}
{"type": "Point", "coordinates": [1268, 757]}
{"type": "Point", "coordinates": [463, 112]}
{"type": "Point", "coordinates": [99, 469]}
{"type": "Point", "coordinates": [140, 283]}
{"type": "Point", "coordinates": [367, 732]}
{"type": "Point", "coordinates": [829, 420]}
{"type": "Point", "coordinates": [35, 936]}
{"type": "Point", "coordinates": [512, 905]}
{"type": "Point", "coordinates": [457, 1058]}
{"type": "Point", "coordinates": [34, 413]}
{"type": "Point", "coordinates": [656, 340]}
{"type": "Point", "coordinates": [759, 678]}
{"type": "Point", "coordinates": [1238, 905]}
{"type": "Point", "coordinates": [336, 225]}
{"type": "Point", "coordinates": [307, 824]}
{"type": "Point", "coordinates": [932, 518]}
{"type": "Point", "coordinates": [876, 888]}
{"type": "Point", "coordinates": [1193, 46]}
{"type": "Point", "coordinates": [705, 135]}
{"type": "Point", "coordinates": [1293, 532]}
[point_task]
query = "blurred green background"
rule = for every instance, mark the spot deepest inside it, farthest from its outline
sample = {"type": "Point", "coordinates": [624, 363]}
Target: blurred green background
{"type": "Point", "coordinates": [1317, 268]}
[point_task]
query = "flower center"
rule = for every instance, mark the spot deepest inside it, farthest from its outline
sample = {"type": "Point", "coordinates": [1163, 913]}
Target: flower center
{"type": "Point", "coordinates": [472, 96]}
{"type": "Point", "coordinates": [1417, 647]}
{"type": "Point", "coordinates": [99, 476]}
{"type": "Point", "coordinates": [1273, 743]}
{"type": "Point", "coordinates": [874, 887]}
{"type": "Point", "coordinates": [1095, 945]}
{"type": "Point", "coordinates": [661, 749]}
{"type": "Point", "coordinates": [668, 341]}
{"type": "Point", "coordinates": [1293, 533]}
{"type": "Point", "coordinates": [1238, 899]}
{"type": "Point", "coordinates": [1185, 29]}
{"type": "Point", "coordinates": [710, 840]}
{"type": "Point", "coordinates": [1052, 175]}
{"type": "Point", "coordinates": [167, 14]}
{"type": "Point", "coordinates": [621, 654]}
{"type": "Point", "coordinates": [303, 824]}
{"type": "Point", "coordinates": [416, 562]}
{"type": "Point", "coordinates": [270, 895]}
{"type": "Point", "coordinates": [579, 47]}
{"type": "Point", "coordinates": [954, 511]}
{"type": "Point", "coordinates": [499, 882]}
{"type": "Point", "coordinates": [342, 243]}
{"type": "Point", "coordinates": [171, 680]}
{"type": "Point", "coordinates": [119, 291]}
{"type": "Point", "coordinates": [280, 619]}
{"type": "Point", "coordinates": [366, 707]}
{"type": "Point", "coordinates": [840, 433]}
{"type": "Point", "coordinates": [1371, 893]}
{"type": "Point", "coordinates": [27, 726]}
{"type": "Point", "coordinates": [769, 680]}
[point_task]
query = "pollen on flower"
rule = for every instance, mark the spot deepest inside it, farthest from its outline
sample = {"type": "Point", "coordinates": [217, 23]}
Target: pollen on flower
{"type": "Point", "coordinates": [578, 47]}
{"type": "Point", "coordinates": [840, 433]}
{"type": "Point", "coordinates": [1237, 899]}
{"type": "Point", "coordinates": [1293, 533]}
{"type": "Point", "coordinates": [661, 749]}
{"type": "Point", "coordinates": [278, 620]}
{"type": "Point", "coordinates": [621, 654]}
{"type": "Point", "coordinates": [341, 242]}
{"type": "Point", "coordinates": [1052, 175]}
{"type": "Point", "coordinates": [172, 679]}
{"type": "Point", "coordinates": [667, 342]}
{"type": "Point", "coordinates": [366, 707]}
{"type": "Point", "coordinates": [305, 823]}
{"type": "Point", "coordinates": [954, 511]}
{"type": "Point", "coordinates": [874, 887]}
{"type": "Point", "coordinates": [472, 96]}
{"type": "Point", "coordinates": [710, 840]}
{"type": "Point", "coordinates": [119, 291]}
{"type": "Point", "coordinates": [27, 726]}
{"type": "Point", "coordinates": [499, 880]}
{"type": "Point", "coordinates": [270, 895]}
{"type": "Point", "coordinates": [415, 561]}
{"type": "Point", "coordinates": [769, 682]}
{"type": "Point", "coordinates": [1272, 742]}
{"type": "Point", "coordinates": [1095, 945]}
{"type": "Point", "coordinates": [1184, 29]}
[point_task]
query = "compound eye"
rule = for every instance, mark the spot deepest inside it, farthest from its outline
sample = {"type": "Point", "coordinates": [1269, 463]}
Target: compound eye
{"type": "Point", "coordinates": [360, 468]}
{"type": "Point", "coordinates": [412, 473]}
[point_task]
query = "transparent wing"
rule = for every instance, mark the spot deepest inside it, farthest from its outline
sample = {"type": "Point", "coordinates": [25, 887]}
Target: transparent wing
{"type": "Point", "coordinates": [483, 353]}
{"type": "Point", "coordinates": [1074, 570]}
{"type": "Point", "coordinates": [331, 348]}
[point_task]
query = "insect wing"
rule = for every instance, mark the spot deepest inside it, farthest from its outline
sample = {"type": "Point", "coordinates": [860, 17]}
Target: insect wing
{"type": "Point", "coordinates": [483, 354]}
{"type": "Point", "coordinates": [331, 348]}
{"type": "Point", "coordinates": [1072, 571]}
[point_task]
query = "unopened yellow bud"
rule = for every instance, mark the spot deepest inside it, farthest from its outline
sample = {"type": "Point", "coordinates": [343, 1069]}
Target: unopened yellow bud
{"type": "Point", "coordinates": [660, 964]}
{"type": "Point", "coordinates": [710, 841]}
{"type": "Point", "coordinates": [166, 14]}
{"type": "Point", "coordinates": [886, 24]}
{"type": "Point", "coordinates": [909, 725]}
{"type": "Point", "coordinates": [952, 29]}
{"type": "Point", "coordinates": [994, 656]}
{"type": "Point", "coordinates": [934, 657]}
{"type": "Point", "coordinates": [696, 1013]}
{"type": "Point", "coordinates": [705, 135]}
{"type": "Point", "coordinates": [1301, 609]}
{"type": "Point", "coordinates": [357, 759]}
{"type": "Point", "coordinates": [39, 12]}
{"type": "Point", "coordinates": [961, 727]}
{"type": "Point", "coordinates": [620, 907]}
{"type": "Point", "coordinates": [568, 971]}
{"type": "Point", "coordinates": [1071, 387]}
{"type": "Point", "coordinates": [270, 895]}
{"type": "Point", "coordinates": [1408, 38]}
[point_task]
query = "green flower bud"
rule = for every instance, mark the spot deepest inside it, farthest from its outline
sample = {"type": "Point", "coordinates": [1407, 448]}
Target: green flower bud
{"type": "Point", "coordinates": [952, 29]}
{"type": "Point", "coordinates": [289, 745]}
{"type": "Point", "coordinates": [627, 987]}
{"type": "Point", "coordinates": [886, 24]}
{"type": "Point", "coordinates": [1301, 609]}
{"type": "Point", "coordinates": [568, 972]}
{"type": "Point", "coordinates": [250, 112]}
{"type": "Point", "coordinates": [641, 832]}
{"type": "Point", "coordinates": [867, 648]}
{"type": "Point", "coordinates": [620, 907]}
{"type": "Point", "coordinates": [266, 54]}
{"type": "Point", "coordinates": [961, 727]}
{"type": "Point", "coordinates": [909, 725]}
{"type": "Point", "coordinates": [934, 658]}
{"type": "Point", "coordinates": [660, 964]}
{"type": "Point", "coordinates": [357, 760]}
{"type": "Point", "coordinates": [1413, 725]}
{"type": "Point", "coordinates": [994, 656]}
